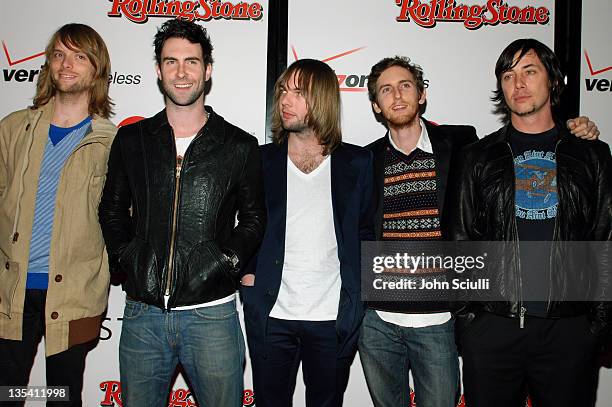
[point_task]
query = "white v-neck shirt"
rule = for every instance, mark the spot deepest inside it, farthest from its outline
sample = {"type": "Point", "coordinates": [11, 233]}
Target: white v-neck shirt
{"type": "Point", "coordinates": [310, 284]}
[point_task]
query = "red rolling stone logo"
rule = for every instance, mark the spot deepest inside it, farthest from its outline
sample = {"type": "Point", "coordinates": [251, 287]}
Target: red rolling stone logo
{"type": "Point", "coordinates": [473, 16]}
{"type": "Point", "coordinates": [139, 11]}
{"type": "Point", "coordinates": [178, 397]}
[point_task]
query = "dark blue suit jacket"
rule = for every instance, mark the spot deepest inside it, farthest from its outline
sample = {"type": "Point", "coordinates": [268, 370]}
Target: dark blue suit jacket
{"type": "Point", "coordinates": [351, 184]}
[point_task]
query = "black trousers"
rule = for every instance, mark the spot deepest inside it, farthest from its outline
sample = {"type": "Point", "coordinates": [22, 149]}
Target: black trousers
{"type": "Point", "coordinates": [17, 357]}
{"type": "Point", "coordinates": [551, 360]}
{"type": "Point", "coordinates": [314, 343]}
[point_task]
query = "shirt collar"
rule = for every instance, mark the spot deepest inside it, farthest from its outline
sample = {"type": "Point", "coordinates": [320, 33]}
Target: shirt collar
{"type": "Point", "coordinates": [424, 144]}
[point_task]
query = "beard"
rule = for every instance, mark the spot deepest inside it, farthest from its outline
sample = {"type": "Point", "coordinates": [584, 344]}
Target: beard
{"type": "Point", "coordinates": [82, 86]}
{"type": "Point", "coordinates": [182, 100]}
{"type": "Point", "coordinates": [402, 120]}
{"type": "Point", "coordinates": [296, 127]}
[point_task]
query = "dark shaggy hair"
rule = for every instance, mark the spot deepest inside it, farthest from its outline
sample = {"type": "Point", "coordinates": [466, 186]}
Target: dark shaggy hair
{"type": "Point", "coordinates": [387, 63]}
{"type": "Point", "coordinates": [506, 61]}
{"type": "Point", "coordinates": [188, 30]}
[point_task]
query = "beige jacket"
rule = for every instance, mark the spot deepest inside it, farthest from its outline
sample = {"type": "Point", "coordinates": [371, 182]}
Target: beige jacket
{"type": "Point", "coordinates": [78, 265]}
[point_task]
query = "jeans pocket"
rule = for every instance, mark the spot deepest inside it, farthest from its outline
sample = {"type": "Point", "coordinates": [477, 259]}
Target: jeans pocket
{"type": "Point", "coordinates": [133, 309]}
{"type": "Point", "coordinates": [217, 312]}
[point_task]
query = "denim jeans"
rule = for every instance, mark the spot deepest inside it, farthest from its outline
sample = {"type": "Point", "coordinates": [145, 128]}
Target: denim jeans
{"type": "Point", "coordinates": [388, 352]}
{"type": "Point", "coordinates": [207, 341]}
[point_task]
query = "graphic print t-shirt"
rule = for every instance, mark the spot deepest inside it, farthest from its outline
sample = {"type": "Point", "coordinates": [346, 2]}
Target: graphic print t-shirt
{"type": "Point", "coordinates": [536, 202]}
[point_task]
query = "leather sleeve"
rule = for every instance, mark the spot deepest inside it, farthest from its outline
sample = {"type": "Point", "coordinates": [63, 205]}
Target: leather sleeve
{"type": "Point", "coordinates": [249, 231]}
{"type": "Point", "coordinates": [114, 208]}
{"type": "Point", "coordinates": [461, 196]}
{"type": "Point", "coordinates": [460, 210]}
{"type": "Point", "coordinates": [602, 232]}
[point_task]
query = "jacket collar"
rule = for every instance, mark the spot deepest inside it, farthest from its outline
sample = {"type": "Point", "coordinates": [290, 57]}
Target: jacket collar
{"type": "Point", "coordinates": [101, 128]}
{"type": "Point", "coordinates": [213, 130]}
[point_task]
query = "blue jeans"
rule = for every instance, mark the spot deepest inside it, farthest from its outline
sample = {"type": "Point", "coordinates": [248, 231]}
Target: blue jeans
{"type": "Point", "coordinates": [388, 352]}
{"type": "Point", "coordinates": [207, 341]}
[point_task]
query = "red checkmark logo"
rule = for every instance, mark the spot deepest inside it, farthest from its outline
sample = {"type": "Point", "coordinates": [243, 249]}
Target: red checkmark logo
{"type": "Point", "coordinates": [18, 61]}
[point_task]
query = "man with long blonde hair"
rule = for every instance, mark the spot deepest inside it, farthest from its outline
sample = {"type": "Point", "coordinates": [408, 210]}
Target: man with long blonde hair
{"type": "Point", "coordinates": [53, 157]}
{"type": "Point", "coordinates": [304, 304]}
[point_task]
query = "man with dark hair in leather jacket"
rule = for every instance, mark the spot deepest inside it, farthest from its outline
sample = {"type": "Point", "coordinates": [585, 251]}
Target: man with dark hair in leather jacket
{"type": "Point", "coordinates": [185, 173]}
{"type": "Point", "coordinates": [533, 185]}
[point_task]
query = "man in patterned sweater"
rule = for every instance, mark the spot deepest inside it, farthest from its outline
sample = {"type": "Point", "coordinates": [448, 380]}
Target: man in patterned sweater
{"type": "Point", "coordinates": [411, 166]}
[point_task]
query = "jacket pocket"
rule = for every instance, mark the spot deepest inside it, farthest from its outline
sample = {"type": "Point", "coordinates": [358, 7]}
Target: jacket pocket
{"type": "Point", "coordinates": [139, 262]}
{"type": "Point", "coordinates": [9, 278]}
{"type": "Point", "coordinates": [206, 267]}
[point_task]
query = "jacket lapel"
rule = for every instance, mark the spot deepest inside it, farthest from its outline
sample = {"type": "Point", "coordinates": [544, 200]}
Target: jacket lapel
{"type": "Point", "coordinates": [442, 155]}
{"type": "Point", "coordinates": [342, 181]}
{"type": "Point", "coordinates": [275, 170]}
{"type": "Point", "coordinates": [379, 181]}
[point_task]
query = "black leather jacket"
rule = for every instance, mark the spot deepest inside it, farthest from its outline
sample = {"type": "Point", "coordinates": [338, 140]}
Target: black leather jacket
{"type": "Point", "coordinates": [482, 209]}
{"type": "Point", "coordinates": [182, 217]}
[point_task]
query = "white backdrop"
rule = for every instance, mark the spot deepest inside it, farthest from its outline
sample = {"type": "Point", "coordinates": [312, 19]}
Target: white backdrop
{"type": "Point", "coordinates": [596, 101]}
{"type": "Point", "coordinates": [458, 62]}
{"type": "Point", "coordinates": [351, 35]}
{"type": "Point", "coordinates": [596, 65]}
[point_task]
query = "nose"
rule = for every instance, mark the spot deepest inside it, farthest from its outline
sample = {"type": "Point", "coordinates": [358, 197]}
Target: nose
{"type": "Point", "coordinates": [519, 81]}
{"type": "Point", "coordinates": [181, 70]}
{"type": "Point", "coordinates": [396, 92]}
{"type": "Point", "coordinates": [285, 99]}
{"type": "Point", "coordinates": [67, 62]}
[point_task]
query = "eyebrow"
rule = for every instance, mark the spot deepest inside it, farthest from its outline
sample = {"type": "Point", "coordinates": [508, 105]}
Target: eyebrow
{"type": "Point", "coordinates": [400, 82]}
{"type": "Point", "coordinates": [176, 59]}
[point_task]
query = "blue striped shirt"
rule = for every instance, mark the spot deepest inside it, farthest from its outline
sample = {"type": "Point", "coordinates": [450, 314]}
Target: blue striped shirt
{"type": "Point", "coordinates": [61, 143]}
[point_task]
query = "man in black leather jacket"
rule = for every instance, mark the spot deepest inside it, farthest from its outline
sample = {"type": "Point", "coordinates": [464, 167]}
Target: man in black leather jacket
{"type": "Point", "coordinates": [531, 181]}
{"type": "Point", "coordinates": [185, 173]}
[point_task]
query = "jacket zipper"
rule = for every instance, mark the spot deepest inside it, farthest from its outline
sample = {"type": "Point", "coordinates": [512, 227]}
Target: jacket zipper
{"type": "Point", "coordinates": [175, 203]}
{"type": "Point", "coordinates": [177, 188]}
{"type": "Point", "coordinates": [522, 309]}
{"type": "Point", "coordinates": [555, 236]}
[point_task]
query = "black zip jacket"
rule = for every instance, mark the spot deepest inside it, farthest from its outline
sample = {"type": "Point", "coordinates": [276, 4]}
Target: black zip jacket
{"type": "Point", "coordinates": [182, 216]}
{"type": "Point", "coordinates": [482, 209]}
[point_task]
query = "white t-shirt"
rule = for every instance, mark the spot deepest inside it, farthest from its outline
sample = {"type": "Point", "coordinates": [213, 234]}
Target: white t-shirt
{"type": "Point", "coordinates": [310, 284]}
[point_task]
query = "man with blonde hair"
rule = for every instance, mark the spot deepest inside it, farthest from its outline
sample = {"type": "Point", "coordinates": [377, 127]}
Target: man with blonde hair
{"type": "Point", "coordinates": [54, 280]}
{"type": "Point", "coordinates": [302, 304]}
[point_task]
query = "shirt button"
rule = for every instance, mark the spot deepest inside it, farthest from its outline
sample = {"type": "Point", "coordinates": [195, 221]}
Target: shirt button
{"type": "Point", "coordinates": [7, 265]}
{"type": "Point", "coordinates": [58, 278]}
{"type": "Point", "coordinates": [54, 315]}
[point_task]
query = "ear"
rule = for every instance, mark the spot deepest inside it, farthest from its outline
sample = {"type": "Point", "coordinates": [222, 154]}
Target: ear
{"type": "Point", "coordinates": [376, 108]}
{"type": "Point", "coordinates": [423, 97]}
{"type": "Point", "coordinates": [158, 70]}
{"type": "Point", "coordinates": [208, 72]}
